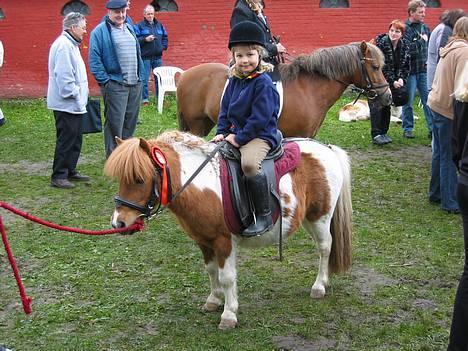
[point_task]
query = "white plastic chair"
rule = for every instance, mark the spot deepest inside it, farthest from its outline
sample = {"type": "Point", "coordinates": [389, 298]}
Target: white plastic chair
{"type": "Point", "coordinates": [166, 82]}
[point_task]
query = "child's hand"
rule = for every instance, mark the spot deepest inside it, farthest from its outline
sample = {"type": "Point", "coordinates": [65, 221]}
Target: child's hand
{"type": "Point", "coordinates": [231, 139]}
{"type": "Point", "coordinates": [218, 138]}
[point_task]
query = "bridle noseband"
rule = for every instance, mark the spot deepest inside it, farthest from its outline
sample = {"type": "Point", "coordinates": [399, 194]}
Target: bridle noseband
{"type": "Point", "coordinates": [148, 211]}
{"type": "Point", "coordinates": [162, 170]}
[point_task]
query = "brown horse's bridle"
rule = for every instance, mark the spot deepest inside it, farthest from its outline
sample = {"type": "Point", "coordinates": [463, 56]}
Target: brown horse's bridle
{"type": "Point", "coordinates": [371, 90]}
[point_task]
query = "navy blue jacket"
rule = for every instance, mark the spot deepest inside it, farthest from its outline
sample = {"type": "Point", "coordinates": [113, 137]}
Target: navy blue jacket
{"type": "Point", "coordinates": [152, 49]}
{"type": "Point", "coordinates": [250, 109]}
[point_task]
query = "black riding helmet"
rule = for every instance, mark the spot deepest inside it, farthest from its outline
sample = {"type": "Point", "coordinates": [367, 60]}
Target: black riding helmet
{"type": "Point", "coordinates": [246, 32]}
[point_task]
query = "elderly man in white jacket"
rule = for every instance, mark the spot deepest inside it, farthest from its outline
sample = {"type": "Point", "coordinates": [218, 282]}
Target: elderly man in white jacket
{"type": "Point", "coordinates": [67, 96]}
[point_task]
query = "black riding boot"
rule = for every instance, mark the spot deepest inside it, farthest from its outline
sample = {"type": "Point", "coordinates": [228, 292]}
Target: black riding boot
{"type": "Point", "coordinates": [260, 195]}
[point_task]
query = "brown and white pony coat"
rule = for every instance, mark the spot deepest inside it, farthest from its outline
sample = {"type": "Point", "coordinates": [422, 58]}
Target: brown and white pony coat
{"type": "Point", "coordinates": [316, 195]}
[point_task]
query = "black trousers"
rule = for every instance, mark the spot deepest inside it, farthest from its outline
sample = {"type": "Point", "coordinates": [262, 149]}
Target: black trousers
{"type": "Point", "coordinates": [458, 340]}
{"type": "Point", "coordinates": [380, 119]}
{"type": "Point", "coordinates": [68, 144]}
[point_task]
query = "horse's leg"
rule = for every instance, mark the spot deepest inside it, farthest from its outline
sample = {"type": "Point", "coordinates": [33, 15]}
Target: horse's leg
{"type": "Point", "coordinates": [228, 280]}
{"type": "Point", "coordinates": [214, 300]}
{"type": "Point", "coordinates": [320, 231]}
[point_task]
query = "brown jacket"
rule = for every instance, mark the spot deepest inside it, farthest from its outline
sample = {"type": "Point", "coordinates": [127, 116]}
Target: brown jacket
{"type": "Point", "coordinates": [453, 58]}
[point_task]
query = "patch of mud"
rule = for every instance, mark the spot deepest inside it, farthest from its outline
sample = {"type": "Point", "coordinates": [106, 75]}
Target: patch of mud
{"type": "Point", "coordinates": [424, 304]}
{"type": "Point", "coordinates": [27, 167]}
{"type": "Point", "coordinates": [25, 206]}
{"type": "Point", "coordinates": [368, 280]}
{"type": "Point", "coordinates": [298, 343]}
{"type": "Point", "coordinates": [42, 168]}
{"type": "Point", "coordinates": [410, 154]}
{"type": "Point", "coordinates": [6, 312]}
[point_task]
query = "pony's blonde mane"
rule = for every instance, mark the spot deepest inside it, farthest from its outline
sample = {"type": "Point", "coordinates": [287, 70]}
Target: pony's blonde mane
{"type": "Point", "coordinates": [129, 163]}
{"type": "Point", "coordinates": [332, 63]}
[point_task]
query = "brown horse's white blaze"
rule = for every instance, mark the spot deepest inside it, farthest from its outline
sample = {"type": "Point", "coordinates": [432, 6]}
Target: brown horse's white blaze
{"type": "Point", "coordinates": [317, 195]}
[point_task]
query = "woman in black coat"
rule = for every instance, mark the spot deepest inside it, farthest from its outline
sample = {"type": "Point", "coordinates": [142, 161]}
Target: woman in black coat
{"type": "Point", "coordinates": [252, 10]}
{"type": "Point", "coordinates": [396, 71]}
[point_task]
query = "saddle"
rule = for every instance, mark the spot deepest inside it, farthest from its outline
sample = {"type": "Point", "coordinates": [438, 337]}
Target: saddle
{"type": "Point", "coordinates": [236, 201]}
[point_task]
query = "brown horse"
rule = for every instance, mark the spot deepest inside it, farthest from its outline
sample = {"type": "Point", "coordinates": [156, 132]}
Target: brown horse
{"type": "Point", "coordinates": [311, 83]}
{"type": "Point", "coordinates": [316, 195]}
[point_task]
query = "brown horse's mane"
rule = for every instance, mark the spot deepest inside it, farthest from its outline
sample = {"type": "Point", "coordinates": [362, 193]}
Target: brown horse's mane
{"type": "Point", "coordinates": [129, 163]}
{"type": "Point", "coordinates": [332, 63]}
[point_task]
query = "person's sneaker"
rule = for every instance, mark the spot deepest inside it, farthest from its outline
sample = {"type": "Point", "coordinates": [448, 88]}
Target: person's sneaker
{"type": "Point", "coordinates": [61, 183]}
{"type": "Point", "coordinates": [145, 103]}
{"type": "Point", "coordinates": [79, 177]}
{"type": "Point", "coordinates": [379, 140]}
{"type": "Point", "coordinates": [453, 211]}
{"type": "Point", "coordinates": [408, 134]}
{"type": "Point", "coordinates": [2, 121]}
{"type": "Point", "coordinates": [387, 138]}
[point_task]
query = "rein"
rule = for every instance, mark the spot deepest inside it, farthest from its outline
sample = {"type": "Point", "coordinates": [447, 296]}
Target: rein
{"type": "Point", "coordinates": [25, 299]}
{"type": "Point", "coordinates": [166, 198]}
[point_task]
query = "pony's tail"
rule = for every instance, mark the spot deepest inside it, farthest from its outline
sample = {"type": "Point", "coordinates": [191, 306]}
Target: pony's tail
{"type": "Point", "coordinates": [341, 227]}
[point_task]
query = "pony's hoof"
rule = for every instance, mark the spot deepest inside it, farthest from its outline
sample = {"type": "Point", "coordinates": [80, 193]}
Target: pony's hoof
{"type": "Point", "coordinates": [210, 307]}
{"type": "Point", "coordinates": [317, 292]}
{"type": "Point", "coordinates": [227, 324]}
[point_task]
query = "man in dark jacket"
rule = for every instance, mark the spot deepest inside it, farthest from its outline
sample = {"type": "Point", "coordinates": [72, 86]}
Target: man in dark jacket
{"type": "Point", "coordinates": [153, 40]}
{"type": "Point", "coordinates": [417, 34]}
{"type": "Point", "coordinates": [252, 10]}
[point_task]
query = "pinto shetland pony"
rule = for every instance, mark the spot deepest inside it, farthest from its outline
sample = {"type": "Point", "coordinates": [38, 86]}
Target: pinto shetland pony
{"type": "Point", "coordinates": [316, 195]}
{"type": "Point", "coordinates": [311, 84]}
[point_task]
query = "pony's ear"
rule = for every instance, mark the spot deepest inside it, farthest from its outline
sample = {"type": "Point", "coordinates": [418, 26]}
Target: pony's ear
{"type": "Point", "coordinates": [118, 140]}
{"type": "Point", "coordinates": [363, 48]}
{"type": "Point", "coordinates": [145, 146]}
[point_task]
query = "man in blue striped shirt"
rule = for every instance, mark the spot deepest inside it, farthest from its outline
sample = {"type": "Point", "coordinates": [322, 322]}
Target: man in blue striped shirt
{"type": "Point", "coordinates": [116, 64]}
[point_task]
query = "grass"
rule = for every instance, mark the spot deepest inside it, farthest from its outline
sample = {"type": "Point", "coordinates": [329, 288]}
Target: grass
{"type": "Point", "coordinates": [144, 292]}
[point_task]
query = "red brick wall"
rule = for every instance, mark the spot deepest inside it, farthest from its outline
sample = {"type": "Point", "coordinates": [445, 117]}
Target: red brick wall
{"type": "Point", "coordinates": [197, 32]}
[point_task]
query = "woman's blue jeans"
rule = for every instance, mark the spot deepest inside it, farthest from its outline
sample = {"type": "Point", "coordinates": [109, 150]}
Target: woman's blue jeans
{"type": "Point", "coordinates": [443, 185]}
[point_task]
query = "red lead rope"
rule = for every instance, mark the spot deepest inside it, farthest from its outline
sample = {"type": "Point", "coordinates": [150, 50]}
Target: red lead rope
{"type": "Point", "coordinates": [26, 300]}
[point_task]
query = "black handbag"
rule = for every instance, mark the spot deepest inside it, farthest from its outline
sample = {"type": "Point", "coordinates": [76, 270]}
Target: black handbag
{"type": "Point", "coordinates": [400, 95]}
{"type": "Point", "coordinates": [92, 118]}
